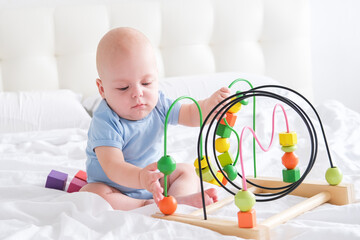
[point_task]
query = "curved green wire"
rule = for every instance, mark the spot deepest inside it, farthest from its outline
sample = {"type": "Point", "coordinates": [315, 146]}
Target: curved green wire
{"type": "Point", "coordinates": [167, 117]}
{"type": "Point", "coordinates": [165, 131]}
{"type": "Point", "coordinates": [254, 110]}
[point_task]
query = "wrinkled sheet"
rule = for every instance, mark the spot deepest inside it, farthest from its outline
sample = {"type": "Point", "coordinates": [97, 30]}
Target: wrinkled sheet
{"type": "Point", "coordinates": [28, 210]}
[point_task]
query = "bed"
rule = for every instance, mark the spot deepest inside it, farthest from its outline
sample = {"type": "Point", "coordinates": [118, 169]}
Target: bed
{"type": "Point", "coordinates": [48, 93]}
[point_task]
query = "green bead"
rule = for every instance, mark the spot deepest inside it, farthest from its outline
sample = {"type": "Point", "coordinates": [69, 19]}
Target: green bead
{"type": "Point", "coordinates": [244, 200]}
{"type": "Point", "coordinates": [166, 165]}
{"type": "Point", "coordinates": [244, 101]}
{"type": "Point", "coordinates": [291, 175]}
{"type": "Point", "coordinates": [333, 176]}
{"type": "Point", "coordinates": [291, 148]}
{"type": "Point", "coordinates": [230, 171]}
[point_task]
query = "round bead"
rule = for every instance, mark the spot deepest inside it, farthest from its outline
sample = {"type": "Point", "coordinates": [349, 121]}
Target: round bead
{"type": "Point", "coordinates": [244, 101]}
{"type": "Point", "coordinates": [168, 205]}
{"type": "Point", "coordinates": [230, 171]}
{"type": "Point", "coordinates": [333, 176]}
{"type": "Point", "coordinates": [291, 148]}
{"type": "Point", "coordinates": [290, 160]}
{"type": "Point", "coordinates": [244, 200]}
{"type": "Point", "coordinates": [166, 164]}
{"type": "Point", "coordinates": [222, 145]}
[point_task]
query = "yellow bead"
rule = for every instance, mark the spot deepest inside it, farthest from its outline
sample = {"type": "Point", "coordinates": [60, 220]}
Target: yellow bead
{"type": "Point", "coordinates": [236, 107]}
{"type": "Point", "coordinates": [288, 138]}
{"type": "Point", "coordinates": [203, 163]}
{"type": "Point", "coordinates": [222, 145]}
{"type": "Point", "coordinates": [221, 178]}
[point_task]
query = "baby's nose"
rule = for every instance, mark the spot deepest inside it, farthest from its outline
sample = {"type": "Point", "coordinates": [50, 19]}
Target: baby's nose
{"type": "Point", "coordinates": [137, 91]}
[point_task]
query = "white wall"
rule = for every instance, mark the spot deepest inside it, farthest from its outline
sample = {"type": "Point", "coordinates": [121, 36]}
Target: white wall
{"type": "Point", "coordinates": [335, 31]}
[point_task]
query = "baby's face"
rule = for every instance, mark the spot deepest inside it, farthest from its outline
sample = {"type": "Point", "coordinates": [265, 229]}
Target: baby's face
{"type": "Point", "coordinates": [131, 84]}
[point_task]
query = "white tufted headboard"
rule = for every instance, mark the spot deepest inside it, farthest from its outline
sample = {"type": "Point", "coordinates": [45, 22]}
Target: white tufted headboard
{"type": "Point", "coordinates": [51, 44]}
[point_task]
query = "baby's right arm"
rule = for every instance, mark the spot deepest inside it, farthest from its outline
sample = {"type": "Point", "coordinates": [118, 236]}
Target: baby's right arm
{"type": "Point", "coordinates": [117, 170]}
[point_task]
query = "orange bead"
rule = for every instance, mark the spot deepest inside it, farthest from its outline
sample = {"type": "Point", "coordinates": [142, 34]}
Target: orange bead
{"type": "Point", "coordinates": [290, 160]}
{"type": "Point", "coordinates": [168, 205]}
{"type": "Point", "coordinates": [230, 118]}
{"type": "Point", "coordinates": [247, 219]}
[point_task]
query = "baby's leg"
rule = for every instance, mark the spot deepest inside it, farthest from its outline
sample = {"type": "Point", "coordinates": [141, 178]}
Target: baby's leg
{"type": "Point", "coordinates": [184, 185]}
{"type": "Point", "coordinates": [114, 197]}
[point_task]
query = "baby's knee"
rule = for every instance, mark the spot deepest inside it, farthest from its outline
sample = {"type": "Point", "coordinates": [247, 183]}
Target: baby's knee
{"type": "Point", "coordinates": [100, 189]}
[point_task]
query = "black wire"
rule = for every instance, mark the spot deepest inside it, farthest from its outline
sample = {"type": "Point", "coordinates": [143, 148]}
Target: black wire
{"type": "Point", "coordinates": [223, 107]}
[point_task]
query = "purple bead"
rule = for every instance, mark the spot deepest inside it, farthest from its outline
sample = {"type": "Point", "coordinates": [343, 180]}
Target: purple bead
{"type": "Point", "coordinates": [56, 180]}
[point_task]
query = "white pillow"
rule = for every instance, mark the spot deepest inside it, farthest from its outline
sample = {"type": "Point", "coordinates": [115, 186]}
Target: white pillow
{"type": "Point", "coordinates": [42, 110]}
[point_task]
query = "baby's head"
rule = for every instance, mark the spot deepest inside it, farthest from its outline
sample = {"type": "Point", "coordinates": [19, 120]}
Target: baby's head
{"type": "Point", "coordinates": [128, 76]}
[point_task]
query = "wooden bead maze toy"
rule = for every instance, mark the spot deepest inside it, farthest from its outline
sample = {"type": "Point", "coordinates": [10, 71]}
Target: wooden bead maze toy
{"type": "Point", "coordinates": [259, 189]}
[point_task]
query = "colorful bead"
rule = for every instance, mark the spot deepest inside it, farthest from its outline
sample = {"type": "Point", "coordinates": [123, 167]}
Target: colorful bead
{"type": "Point", "coordinates": [166, 165]}
{"type": "Point", "coordinates": [290, 160]}
{"type": "Point", "coordinates": [225, 159]}
{"type": "Point", "coordinates": [291, 148]}
{"type": "Point", "coordinates": [230, 119]}
{"type": "Point", "coordinates": [288, 138]}
{"type": "Point", "coordinates": [244, 101]}
{"type": "Point", "coordinates": [247, 219]}
{"type": "Point", "coordinates": [222, 144]}
{"type": "Point", "coordinates": [291, 175]}
{"type": "Point", "coordinates": [168, 205]}
{"type": "Point", "coordinates": [223, 131]}
{"type": "Point", "coordinates": [231, 172]}
{"type": "Point", "coordinates": [244, 200]}
{"type": "Point", "coordinates": [203, 163]}
{"type": "Point", "coordinates": [206, 174]}
{"type": "Point", "coordinates": [220, 177]}
{"type": "Point", "coordinates": [236, 107]}
{"type": "Point", "coordinates": [333, 176]}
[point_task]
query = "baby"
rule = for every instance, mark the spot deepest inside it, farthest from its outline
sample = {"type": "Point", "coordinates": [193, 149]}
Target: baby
{"type": "Point", "coordinates": [124, 138]}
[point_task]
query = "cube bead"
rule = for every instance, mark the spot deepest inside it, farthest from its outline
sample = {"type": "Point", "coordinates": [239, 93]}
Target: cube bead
{"type": "Point", "coordinates": [225, 159]}
{"type": "Point", "coordinates": [56, 180]}
{"type": "Point", "coordinates": [75, 185]}
{"type": "Point", "coordinates": [223, 131]}
{"type": "Point", "coordinates": [291, 175]}
{"type": "Point", "coordinates": [222, 145]}
{"type": "Point", "coordinates": [206, 174]}
{"type": "Point", "coordinates": [288, 138]}
{"type": "Point", "coordinates": [247, 219]}
{"type": "Point", "coordinates": [230, 119]}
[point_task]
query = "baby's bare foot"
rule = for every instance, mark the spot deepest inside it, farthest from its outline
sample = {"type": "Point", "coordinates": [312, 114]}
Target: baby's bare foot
{"type": "Point", "coordinates": [195, 199]}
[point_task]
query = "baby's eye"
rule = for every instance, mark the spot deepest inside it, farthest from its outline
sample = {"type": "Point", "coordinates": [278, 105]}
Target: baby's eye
{"type": "Point", "coordinates": [122, 89]}
{"type": "Point", "coordinates": [146, 83]}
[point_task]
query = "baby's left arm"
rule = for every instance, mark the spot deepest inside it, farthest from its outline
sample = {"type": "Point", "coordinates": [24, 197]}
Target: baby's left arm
{"type": "Point", "coordinates": [189, 113]}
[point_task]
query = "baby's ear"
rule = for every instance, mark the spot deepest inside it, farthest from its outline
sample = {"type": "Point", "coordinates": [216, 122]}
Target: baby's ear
{"type": "Point", "coordinates": [100, 87]}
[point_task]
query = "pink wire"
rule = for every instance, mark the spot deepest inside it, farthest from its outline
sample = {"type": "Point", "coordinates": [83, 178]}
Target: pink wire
{"type": "Point", "coordinates": [257, 140]}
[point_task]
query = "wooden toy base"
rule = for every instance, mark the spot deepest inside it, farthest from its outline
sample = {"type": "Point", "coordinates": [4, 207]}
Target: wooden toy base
{"type": "Point", "coordinates": [317, 194]}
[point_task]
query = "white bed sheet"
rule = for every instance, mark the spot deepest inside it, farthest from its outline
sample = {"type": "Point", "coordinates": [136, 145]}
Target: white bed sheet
{"type": "Point", "coordinates": [28, 210]}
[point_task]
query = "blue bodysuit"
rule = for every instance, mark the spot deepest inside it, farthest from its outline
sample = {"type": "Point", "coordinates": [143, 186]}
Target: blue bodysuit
{"type": "Point", "coordinates": [140, 141]}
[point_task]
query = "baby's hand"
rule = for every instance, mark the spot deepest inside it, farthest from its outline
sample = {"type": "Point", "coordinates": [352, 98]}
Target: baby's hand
{"type": "Point", "coordinates": [149, 179]}
{"type": "Point", "coordinates": [216, 98]}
